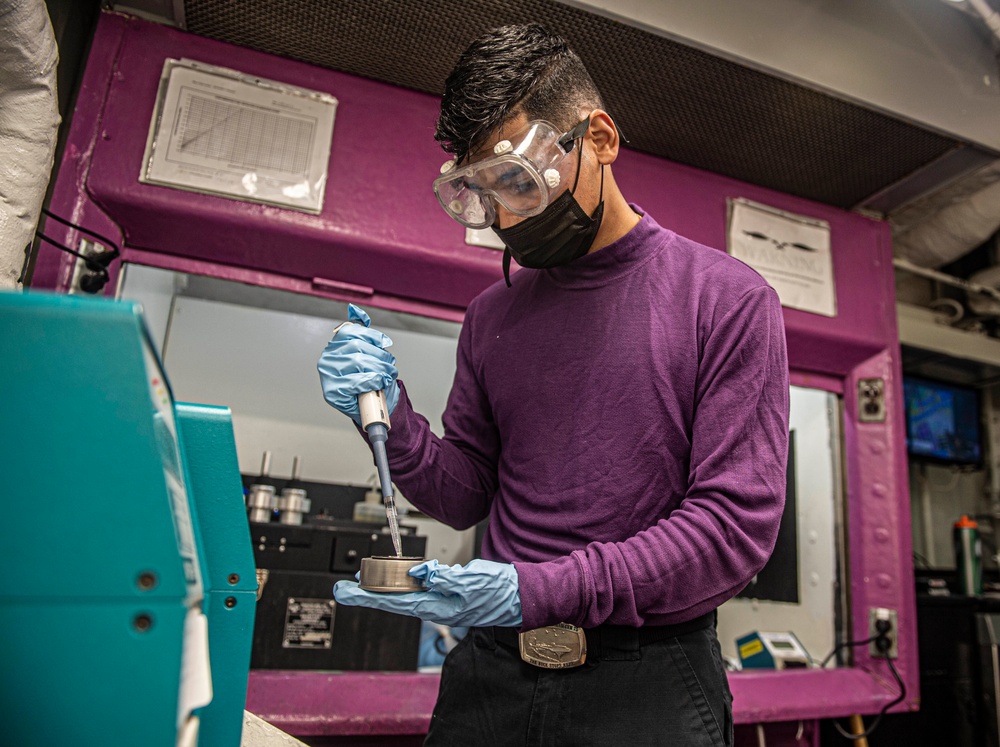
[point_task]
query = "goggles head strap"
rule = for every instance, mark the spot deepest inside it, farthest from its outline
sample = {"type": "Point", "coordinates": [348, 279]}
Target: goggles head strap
{"type": "Point", "coordinates": [568, 139]}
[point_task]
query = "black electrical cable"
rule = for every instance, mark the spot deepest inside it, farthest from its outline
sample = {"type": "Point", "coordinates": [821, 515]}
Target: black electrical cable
{"type": "Point", "coordinates": [883, 643]}
{"type": "Point", "coordinates": [97, 264]}
{"type": "Point", "coordinates": [846, 644]}
{"type": "Point", "coordinates": [115, 251]}
{"type": "Point", "coordinates": [27, 261]}
{"type": "Point", "coordinates": [100, 275]}
{"type": "Point", "coordinates": [899, 699]}
{"type": "Point", "coordinates": [89, 260]}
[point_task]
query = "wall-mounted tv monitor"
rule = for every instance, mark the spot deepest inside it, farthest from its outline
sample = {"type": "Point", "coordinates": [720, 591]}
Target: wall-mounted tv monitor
{"type": "Point", "coordinates": [942, 421]}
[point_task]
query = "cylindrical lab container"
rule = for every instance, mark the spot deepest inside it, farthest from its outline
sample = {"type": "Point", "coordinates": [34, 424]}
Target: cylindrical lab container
{"type": "Point", "coordinates": [390, 574]}
{"type": "Point", "coordinates": [293, 504]}
{"type": "Point", "coordinates": [260, 503]}
{"type": "Point", "coordinates": [968, 556]}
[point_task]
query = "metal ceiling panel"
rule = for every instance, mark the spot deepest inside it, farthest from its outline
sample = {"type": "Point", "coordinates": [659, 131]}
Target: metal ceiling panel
{"type": "Point", "coordinates": [671, 100]}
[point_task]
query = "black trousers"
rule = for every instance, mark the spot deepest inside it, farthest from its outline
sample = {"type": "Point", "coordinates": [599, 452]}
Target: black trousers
{"type": "Point", "coordinates": [629, 692]}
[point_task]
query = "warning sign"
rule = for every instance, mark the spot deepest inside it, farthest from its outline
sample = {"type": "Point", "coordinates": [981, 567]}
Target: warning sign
{"type": "Point", "coordinates": [791, 252]}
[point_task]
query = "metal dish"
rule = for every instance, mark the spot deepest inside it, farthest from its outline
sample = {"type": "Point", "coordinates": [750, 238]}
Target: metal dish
{"type": "Point", "coordinates": [389, 574]}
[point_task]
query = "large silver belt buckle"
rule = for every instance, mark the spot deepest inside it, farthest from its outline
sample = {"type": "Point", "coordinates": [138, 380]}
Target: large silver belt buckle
{"type": "Point", "coordinates": [554, 647]}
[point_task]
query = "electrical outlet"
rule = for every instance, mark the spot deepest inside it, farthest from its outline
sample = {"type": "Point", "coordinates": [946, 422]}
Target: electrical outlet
{"type": "Point", "coordinates": [88, 248]}
{"type": "Point", "coordinates": [871, 400]}
{"type": "Point", "coordinates": [875, 615]}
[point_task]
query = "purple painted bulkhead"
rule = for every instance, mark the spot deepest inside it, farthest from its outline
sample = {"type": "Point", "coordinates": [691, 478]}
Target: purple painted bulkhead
{"type": "Point", "coordinates": [383, 239]}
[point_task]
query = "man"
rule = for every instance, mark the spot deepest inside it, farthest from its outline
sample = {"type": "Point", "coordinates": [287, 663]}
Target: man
{"type": "Point", "coordinates": [619, 412]}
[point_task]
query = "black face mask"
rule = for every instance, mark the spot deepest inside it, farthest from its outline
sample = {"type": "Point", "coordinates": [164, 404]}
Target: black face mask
{"type": "Point", "coordinates": [558, 235]}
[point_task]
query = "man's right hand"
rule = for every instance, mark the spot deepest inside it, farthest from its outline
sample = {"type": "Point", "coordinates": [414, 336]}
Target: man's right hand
{"type": "Point", "coordinates": [356, 361]}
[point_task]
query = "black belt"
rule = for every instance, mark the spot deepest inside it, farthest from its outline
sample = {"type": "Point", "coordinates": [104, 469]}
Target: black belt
{"type": "Point", "coordinates": [619, 637]}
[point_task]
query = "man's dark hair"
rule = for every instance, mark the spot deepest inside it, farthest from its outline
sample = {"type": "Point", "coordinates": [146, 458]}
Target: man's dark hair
{"type": "Point", "coordinates": [512, 68]}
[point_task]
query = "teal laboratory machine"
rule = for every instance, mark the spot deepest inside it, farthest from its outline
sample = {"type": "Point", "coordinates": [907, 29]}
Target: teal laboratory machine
{"type": "Point", "coordinates": [128, 585]}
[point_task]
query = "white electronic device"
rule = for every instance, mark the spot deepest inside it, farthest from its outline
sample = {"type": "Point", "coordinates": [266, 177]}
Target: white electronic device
{"type": "Point", "coordinates": [764, 650]}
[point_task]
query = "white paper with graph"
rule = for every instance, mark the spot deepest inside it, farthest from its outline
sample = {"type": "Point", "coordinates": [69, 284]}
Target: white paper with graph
{"type": "Point", "coordinates": [223, 132]}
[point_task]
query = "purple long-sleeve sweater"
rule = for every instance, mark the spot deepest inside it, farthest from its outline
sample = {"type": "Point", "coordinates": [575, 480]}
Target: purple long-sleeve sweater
{"type": "Point", "coordinates": [623, 421]}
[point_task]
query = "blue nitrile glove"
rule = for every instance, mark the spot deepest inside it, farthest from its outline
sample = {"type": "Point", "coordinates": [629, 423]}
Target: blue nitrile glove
{"type": "Point", "coordinates": [356, 361]}
{"type": "Point", "coordinates": [478, 594]}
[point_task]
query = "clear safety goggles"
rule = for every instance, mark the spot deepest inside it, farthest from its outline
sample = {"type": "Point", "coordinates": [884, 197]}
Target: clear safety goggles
{"type": "Point", "coordinates": [522, 173]}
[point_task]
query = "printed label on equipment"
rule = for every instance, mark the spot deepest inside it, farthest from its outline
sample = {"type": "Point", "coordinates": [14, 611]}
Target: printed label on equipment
{"type": "Point", "coordinates": [308, 623]}
{"type": "Point", "coordinates": [750, 648]}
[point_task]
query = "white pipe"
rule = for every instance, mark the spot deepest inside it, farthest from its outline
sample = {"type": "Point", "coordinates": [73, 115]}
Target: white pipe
{"type": "Point", "coordinates": [29, 125]}
{"type": "Point", "coordinates": [955, 229]}
{"type": "Point", "coordinates": [990, 17]}
{"type": "Point", "coordinates": [942, 277]}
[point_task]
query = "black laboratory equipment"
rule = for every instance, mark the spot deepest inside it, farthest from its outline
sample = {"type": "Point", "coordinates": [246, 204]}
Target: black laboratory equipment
{"type": "Point", "coordinates": [298, 623]}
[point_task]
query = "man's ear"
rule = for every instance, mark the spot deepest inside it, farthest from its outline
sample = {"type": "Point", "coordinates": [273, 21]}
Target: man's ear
{"type": "Point", "coordinates": [604, 135]}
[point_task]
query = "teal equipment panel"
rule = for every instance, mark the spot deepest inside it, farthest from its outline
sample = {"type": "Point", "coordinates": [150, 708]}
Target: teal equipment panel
{"type": "Point", "coordinates": [102, 570]}
{"type": "Point", "coordinates": [206, 435]}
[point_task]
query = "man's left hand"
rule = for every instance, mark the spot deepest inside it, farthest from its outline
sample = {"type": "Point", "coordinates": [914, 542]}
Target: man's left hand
{"type": "Point", "coordinates": [479, 594]}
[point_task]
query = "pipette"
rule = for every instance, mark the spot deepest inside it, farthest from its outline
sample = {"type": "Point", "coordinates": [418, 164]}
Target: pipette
{"type": "Point", "coordinates": [375, 420]}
